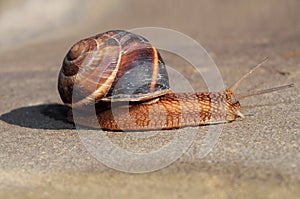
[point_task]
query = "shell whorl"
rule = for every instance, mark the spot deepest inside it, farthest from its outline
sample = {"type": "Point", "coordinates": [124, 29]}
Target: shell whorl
{"type": "Point", "coordinates": [114, 64]}
{"type": "Point", "coordinates": [71, 65]}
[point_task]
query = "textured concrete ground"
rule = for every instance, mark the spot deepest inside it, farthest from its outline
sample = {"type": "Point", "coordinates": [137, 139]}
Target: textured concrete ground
{"type": "Point", "coordinates": [42, 156]}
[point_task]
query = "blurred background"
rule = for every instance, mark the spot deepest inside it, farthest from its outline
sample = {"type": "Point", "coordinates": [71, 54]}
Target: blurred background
{"type": "Point", "coordinates": [23, 21]}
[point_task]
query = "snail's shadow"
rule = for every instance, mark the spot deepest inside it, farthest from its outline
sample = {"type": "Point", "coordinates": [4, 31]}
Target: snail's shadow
{"type": "Point", "coordinates": [44, 116]}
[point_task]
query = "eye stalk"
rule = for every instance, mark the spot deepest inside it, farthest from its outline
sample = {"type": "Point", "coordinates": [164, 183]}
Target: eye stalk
{"type": "Point", "coordinates": [240, 96]}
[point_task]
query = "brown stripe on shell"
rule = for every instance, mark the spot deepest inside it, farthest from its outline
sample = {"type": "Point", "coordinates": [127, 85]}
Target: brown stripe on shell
{"type": "Point", "coordinates": [132, 53]}
{"type": "Point", "coordinates": [155, 68]}
{"type": "Point", "coordinates": [100, 70]}
{"type": "Point", "coordinates": [133, 49]}
{"type": "Point", "coordinates": [65, 87]}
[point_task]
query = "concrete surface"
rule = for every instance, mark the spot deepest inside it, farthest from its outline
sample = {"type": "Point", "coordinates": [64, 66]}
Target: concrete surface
{"type": "Point", "coordinates": [41, 156]}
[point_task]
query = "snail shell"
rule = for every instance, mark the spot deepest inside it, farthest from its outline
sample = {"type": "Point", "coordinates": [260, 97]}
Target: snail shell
{"type": "Point", "coordinates": [112, 66]}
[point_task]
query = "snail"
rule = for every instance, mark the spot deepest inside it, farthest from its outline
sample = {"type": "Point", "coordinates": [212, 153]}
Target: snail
{"type": "Point", "coordinates": [132, 91]}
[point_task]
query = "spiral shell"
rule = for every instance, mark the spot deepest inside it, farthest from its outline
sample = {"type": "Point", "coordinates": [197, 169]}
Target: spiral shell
{"type": "Point", "coordinates": [112, 66]}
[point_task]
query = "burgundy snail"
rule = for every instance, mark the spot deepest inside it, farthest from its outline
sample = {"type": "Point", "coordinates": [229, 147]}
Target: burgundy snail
{"type": "Point", "coordinates": [133, 71]}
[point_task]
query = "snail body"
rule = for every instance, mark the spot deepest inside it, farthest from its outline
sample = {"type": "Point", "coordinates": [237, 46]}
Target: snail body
{"type": "Point", "coordinates": [124, 77]}
{"type": "Point", "coordinates": [172, 110]}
